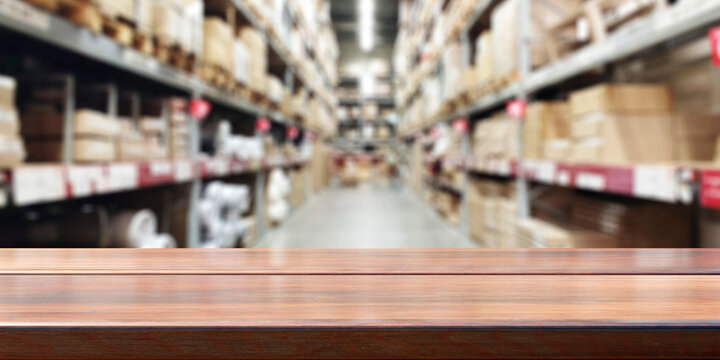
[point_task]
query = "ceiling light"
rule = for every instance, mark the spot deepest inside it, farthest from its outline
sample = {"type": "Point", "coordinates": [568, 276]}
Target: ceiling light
{"type": "Point", "coordinates": [366, 24]}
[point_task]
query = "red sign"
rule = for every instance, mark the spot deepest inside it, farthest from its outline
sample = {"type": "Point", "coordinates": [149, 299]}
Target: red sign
{"type": "Point", "coordinates": [263, 125]}
{"type": "Point", "coordinates": [461, 125]}
{"type": "Point", "coordinates": [715, 43]}
{"type": "Point", "coordinates": [292, 132]}
{"type": "Point", "coordinates": [516, 109]}
{"type": "Point", "coordinates": [710, 189]}
{"type": "Point", "coordinates": [200, 108]}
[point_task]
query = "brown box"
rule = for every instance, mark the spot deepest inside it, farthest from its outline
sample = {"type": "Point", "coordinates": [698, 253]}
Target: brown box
{"type": "Point", "coordinates": [84, 150]}
{"type": "Point", "coordinates": [9, 124]}
{"type": "Point", "coordinates": [621, 98]}
{"type": "Point", "coordinates": [40, 121]}
{"type": "Point", "coordinates": [7, 92]}
{"type": "Point", "coordinates": [620, 138]}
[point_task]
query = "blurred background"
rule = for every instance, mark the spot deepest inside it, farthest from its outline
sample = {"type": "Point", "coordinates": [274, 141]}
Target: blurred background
{"type": "Point", "coordinates": [360, 123]}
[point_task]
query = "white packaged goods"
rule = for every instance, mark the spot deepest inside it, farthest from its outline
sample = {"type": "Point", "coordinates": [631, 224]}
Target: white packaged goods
{"type": "Point", "coordinates": [278, 191]}
{"type": "Point", "coordinates": [237, 146]}
{"type": "Point", "coordinates": [138, 229]}
{"type": "Point", "coordinates": [220, 211]}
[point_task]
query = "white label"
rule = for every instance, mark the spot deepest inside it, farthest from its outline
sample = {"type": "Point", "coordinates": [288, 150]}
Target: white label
{"type": "Point", "coordinates": [545, 172]}
{"type": "Point", "coordinates": [655, 182]}
{"type": "Point", "coordinates": [122, 177]}
{"type": "Point", "coordinates": [85, 180]}
{"type": "Point", "coordinates": [590, 181]}
{"type": "Point", "coordinates": [161, 168]}
{"type": "Point", "coordinates": [32, 185]}
{"type": "Point", "coordinates": [183, 171]}
{"type": "Point", "coordinates": [563, 178]}
{"type": "Point", "coordinates": [25, 13]}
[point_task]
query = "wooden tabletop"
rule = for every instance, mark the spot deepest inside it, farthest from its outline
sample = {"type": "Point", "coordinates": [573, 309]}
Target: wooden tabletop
{"type": "Point", "coordinates": [360, 261]}
{"type": "Point", "coordinates": [359, 304]}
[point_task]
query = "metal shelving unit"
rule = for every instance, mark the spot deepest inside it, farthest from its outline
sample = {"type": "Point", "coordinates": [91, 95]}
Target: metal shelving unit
{"type": "Point", "coordinates": [663, 183]}
{"type": "Point", "coordinates": [32, 184]}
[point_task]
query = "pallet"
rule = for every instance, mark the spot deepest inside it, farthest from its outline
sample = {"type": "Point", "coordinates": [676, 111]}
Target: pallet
{"type": "Point", "coordinates": [603, 18]}
{"type": "Point", "coordinates": [143, 43]}
{"type": "Point", "coordinates": [182, 59]}
{"type": "Point", "coordinates": [120, 30]}
{"type": "Point", "coordinates": [218, 76]}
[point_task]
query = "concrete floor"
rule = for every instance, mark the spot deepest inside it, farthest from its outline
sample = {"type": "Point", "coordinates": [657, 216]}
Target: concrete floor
{"type": "Point", "coordinates": [368, 216]}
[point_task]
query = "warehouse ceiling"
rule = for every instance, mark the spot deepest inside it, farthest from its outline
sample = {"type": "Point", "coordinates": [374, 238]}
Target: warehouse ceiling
{"type": "Point", "coordinates": [345, 21]}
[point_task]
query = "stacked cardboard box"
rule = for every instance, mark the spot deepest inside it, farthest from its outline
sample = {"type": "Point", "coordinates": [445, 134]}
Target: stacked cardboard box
{"type": "Point", "coordinates": [94, 134]}
{"type": "Point", "coordinates": [546, 124]}
{"type": "Point", "coordinates": [179, 129]}
{"type": "Point", "coordinates": [545, 15]}
{"type": "Point", "coordinates": [171, 22]}
{"type": "Point", "coordinates": [484, 59]}
{"type": "Point", "coordinates": [12, 150]}
{"type": "Point", "coordinates": [257, 47]}
{"type": "Point", "coordinates": [621, 123]}
{"type": "Point", "coordinates": [533, 233]}
{"type": "Point", "coordinates": [496, 138]}
{"type": "Point", "coordinates": [130, 143]}
{"type": "Point", "coordinates": [217, 43]}
{"type": "Point", "coordinates": [635, 223]}
{"type": "Point", "coordinates": [493, 212]}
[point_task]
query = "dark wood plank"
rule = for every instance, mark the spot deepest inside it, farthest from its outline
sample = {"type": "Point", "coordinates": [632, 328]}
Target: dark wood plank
{"type": "Point", "coordinates": [319, 261]}
{"type": "Point", "coordinates": [359, 317]}
{"type": "Point", "coordinates": [352, 301]}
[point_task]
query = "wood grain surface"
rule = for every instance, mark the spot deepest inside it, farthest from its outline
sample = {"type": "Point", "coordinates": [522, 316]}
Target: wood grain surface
{"type": "Point", "coordinates": [374, 261]}
{"type": "Point", "coordinates": [359, 304]}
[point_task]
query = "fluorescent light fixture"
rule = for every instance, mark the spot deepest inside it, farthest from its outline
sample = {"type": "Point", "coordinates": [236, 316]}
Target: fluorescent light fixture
{"type": "Point", "coordinates": [366, 27]}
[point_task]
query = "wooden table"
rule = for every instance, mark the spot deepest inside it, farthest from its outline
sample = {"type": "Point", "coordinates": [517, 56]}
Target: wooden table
{"type": "Point", "coordinates": [359, 304]}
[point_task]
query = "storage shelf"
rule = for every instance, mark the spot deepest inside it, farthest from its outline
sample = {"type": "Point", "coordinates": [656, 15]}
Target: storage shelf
{"type": "Point", "coordinates": [660, 182]}
{"type": "Point", "coordinates": [47, 27]}
{"type": "Point", "coordinates": [643, 34]}
{"type": "Point", "coordinates": [44, 183]}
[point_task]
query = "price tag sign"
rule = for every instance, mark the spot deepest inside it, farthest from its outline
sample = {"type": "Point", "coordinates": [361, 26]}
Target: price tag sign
{"type": "Point", "coordinates": [461, 125]}
{"type": "Point", "coordinates": [263, 125]}
{"type": "Point", "coordinates": [200, 108]}
{"type": "Point", "coordinates": [292, 132]}
{"type": "Point", "coordinates": [715, 43]}
{"type": "Point", "coordinates": [710, 189]}
{"type": "Point", "coordinates": [516, 109]}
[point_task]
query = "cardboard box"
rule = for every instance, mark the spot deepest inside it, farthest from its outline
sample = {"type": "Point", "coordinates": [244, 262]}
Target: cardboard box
{"type": "Point", "coordinates": [152, 125]}
{"type": "Point", "coordinates": [621, 98]}
{"type": "Point", "coordinates": [218, 42]}
{"type": "Point", "coordinates": [9, 124]}
{"type": "Point", "coordinates": [622, 138]}
{"type": "Point", "coordinates": [557, 149]}
{"type": "Point", "coordinates": [45, 122]}
{"type": "Point", "coordinates": [85, 149]}
{"type": "Point", "coordinates": [8, 86]}
{"type": "Point", "coordinates": [12, 151]}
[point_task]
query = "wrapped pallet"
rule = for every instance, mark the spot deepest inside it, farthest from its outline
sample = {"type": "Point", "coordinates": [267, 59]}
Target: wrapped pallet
{"type": "Point", "coordinates": [257, 46]}
{"type": "Point", "coordinates": [544, 14]}
{"type": "Point", "coordinates": [218, 42]}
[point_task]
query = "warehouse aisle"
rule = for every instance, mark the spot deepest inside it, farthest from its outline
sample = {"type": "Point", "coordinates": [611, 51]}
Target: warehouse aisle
{"type": "Point", "coordinates": [365, 217]}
